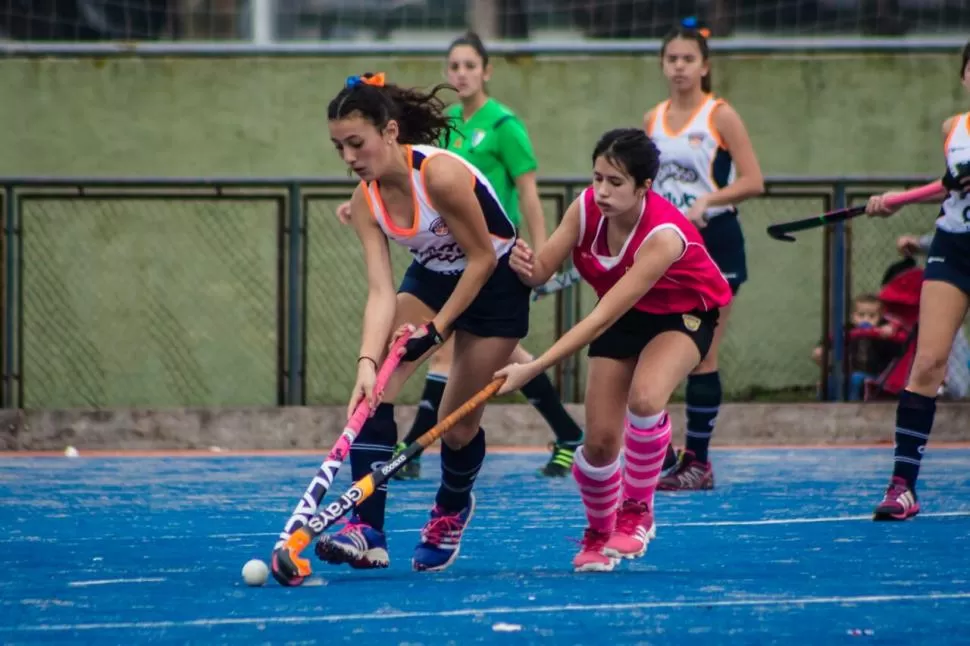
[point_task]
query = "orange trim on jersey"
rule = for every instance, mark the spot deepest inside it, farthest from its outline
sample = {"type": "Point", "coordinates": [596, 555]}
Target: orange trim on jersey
{"type": "Point", "coordinates": [953, 129]}
{"type": "Point", "coordinates": [653, 119]}
{"type": "Point", "coordinates": [416, 210]}
{"type": "Point", "coordinates": [710, 126]}
{"type": "Point", "coordinates": [697, 111]}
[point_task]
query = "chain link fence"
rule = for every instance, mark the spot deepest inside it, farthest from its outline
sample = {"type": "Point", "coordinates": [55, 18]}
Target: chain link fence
{"type": "Point", "coordinates": [170, 298]}
{"type": "Point", "coordinates": [336, 284]}
{"type": "Point", "coordinates": [141, 301]}
{"type": "Point", "coordinates": [873, 240]}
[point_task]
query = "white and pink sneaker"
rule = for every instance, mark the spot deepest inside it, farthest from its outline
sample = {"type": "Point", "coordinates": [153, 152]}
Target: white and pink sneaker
{"type": "Point", "coordinates": [591, 557]}
{"type": "Point", "coordinates": [634, 530]}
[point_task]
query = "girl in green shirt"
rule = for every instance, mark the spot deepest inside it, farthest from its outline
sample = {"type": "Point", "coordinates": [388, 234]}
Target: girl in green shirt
{"type": "Point", "coordinates": [493, 139]}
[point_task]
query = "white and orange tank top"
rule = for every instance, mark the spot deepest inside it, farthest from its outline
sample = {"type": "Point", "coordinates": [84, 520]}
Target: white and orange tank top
{"type": "Point", "coordinates": [956, 207]}
{"type": "Point", "coordinates": [694, 160]}
{"type": "Point", "coordinates": [428, 238]}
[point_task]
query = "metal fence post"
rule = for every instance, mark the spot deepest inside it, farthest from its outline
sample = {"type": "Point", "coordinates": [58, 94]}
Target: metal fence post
{"type": "Point", "coordinates": [836, 382]}
{"type": "Point", "coordinates": [294, 337]}
{"type": "Point", "coordinates": [9, 294]}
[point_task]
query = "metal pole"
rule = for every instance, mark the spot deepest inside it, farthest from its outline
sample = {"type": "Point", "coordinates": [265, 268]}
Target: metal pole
{"type": "Point", "coordinates": [10, 296]}
{"type": "Point", "coordinates": [838, 301]}
{"type": "Point", "coordinates": [263, 16]}
{"type": "Point", "coordinates": [294, 336]}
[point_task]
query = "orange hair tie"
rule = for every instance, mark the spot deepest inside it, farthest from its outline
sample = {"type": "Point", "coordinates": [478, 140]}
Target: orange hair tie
{"type": "Point", "coordinates": [375, 80]}
{"type": "Point", "coordinates": [705, 32]}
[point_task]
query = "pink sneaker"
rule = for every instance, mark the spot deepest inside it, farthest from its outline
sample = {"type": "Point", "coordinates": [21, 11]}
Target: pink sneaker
{"type": "Point", "coordinates": [591, 557]}
{"type": "Point", "coordinates": [899, 503]}
{"type": "Point", "coordinates": [634, 530]}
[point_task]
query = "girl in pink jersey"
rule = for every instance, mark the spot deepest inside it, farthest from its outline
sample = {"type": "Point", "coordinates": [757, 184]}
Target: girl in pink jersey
{"type": "Point", "coordinates": [659, 295]}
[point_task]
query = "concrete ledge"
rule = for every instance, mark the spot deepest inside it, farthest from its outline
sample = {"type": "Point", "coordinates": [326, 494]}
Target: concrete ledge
{"type": "Point", "coordinates": [507, 425]}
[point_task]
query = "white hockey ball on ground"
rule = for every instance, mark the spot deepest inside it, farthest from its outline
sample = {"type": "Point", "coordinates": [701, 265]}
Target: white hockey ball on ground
{"type": "Point", "coordinates": [255, 572]}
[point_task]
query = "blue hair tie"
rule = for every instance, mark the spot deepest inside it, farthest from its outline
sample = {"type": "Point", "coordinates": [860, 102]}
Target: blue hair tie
{"type": "Point", "coordinates": [353, 81]}
{"type": "Point", "coordinates": [689, 22]}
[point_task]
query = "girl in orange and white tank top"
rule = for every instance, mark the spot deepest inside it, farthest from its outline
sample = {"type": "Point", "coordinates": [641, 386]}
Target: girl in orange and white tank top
{"type": "Point", "coordinates": [944, 305]}
{"type": "Point", "coordinates": [707, 167]}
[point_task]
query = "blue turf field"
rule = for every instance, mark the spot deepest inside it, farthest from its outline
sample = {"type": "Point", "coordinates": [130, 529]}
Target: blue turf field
{"type": "Point", "coordinates": [150, 549]}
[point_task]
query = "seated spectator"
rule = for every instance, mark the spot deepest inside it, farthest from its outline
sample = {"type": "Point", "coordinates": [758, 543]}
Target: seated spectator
{"type": "Point", "coordinates": [871, 344]}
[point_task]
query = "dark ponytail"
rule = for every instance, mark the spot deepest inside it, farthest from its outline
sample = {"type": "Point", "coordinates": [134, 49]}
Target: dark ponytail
{"type": "Point", "coordinates": [419, 115]}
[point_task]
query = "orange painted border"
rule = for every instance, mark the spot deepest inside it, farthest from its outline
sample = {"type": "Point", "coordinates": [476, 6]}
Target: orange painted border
{"type": "Point", "coordinates": [506, 450]}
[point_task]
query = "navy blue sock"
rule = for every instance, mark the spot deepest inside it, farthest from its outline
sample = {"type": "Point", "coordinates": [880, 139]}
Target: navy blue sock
{"type": "Point", "coordinates": [914, 421]}
{"type": "Point", "coordinates": [703, 403]}
{"type": "Point", "coordinates": [544, 397]}
{"type": "Point", "coordinates": [434, 388]}
{"type": "Point", "coordinates": [458, 472]}
{"type": "Point", "coordinates": [373, 447]}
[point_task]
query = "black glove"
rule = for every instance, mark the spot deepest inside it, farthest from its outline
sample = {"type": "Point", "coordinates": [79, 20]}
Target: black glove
{"type": "Point", "coordinates": [416, 347]}
{"type": "Point", "coordinates": [956, 183]}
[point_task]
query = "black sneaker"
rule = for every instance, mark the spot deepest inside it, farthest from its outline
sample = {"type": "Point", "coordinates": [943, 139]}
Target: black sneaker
{"type": "Point", "coordinates": [560, 463]}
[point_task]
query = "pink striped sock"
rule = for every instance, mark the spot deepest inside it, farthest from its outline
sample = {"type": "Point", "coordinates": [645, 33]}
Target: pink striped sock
{"type": "Point", "coordinates": [600, 491]}
{"type": "Point", "coordinates": [643, 453]}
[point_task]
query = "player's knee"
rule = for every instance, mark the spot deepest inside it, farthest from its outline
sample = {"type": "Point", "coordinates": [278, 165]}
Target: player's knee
{"type": "Point", "coordinates": [928, 370]}
{"type": "Point", "coordinates": [461, 433]}
{"type": "Point", "coordinates": [647, 402]}
{"type": "Point", "coordinates": [601, 449]}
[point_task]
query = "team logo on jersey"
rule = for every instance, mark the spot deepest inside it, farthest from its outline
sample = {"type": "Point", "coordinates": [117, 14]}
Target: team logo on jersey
{"type": "Point", "coordinates": [439, 228]}
{"type": "Point", "coordinates": [695, 139]}
{"type": "Point", "coordinates": [477, 137]}
{"type": "Point", "coordinates": [676, 172]}
{"type": "Point", "coordinates": [691, 322]}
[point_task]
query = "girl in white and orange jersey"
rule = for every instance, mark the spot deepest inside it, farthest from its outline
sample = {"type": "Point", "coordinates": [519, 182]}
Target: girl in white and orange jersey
{"type": "Point", "coordinates": [707, 167]}
{"type": "Point", "coordinates": [944, 302]}
{"type": "Point", "coordinates": [447, 214]}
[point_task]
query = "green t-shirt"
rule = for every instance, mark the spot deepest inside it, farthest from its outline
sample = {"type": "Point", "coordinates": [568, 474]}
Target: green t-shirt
{"type": "Point", "coordinates": [496, 142]}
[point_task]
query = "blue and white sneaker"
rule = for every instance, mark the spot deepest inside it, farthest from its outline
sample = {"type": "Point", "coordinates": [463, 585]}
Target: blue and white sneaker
{"type": "Point", "coordinates": [357, 543]}
{"type": "Point", "coordinates": [441, 539]}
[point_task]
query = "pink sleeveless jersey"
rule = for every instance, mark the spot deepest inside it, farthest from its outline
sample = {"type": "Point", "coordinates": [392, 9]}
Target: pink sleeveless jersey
{"type": "Point", "coordinates": [693, 282]}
